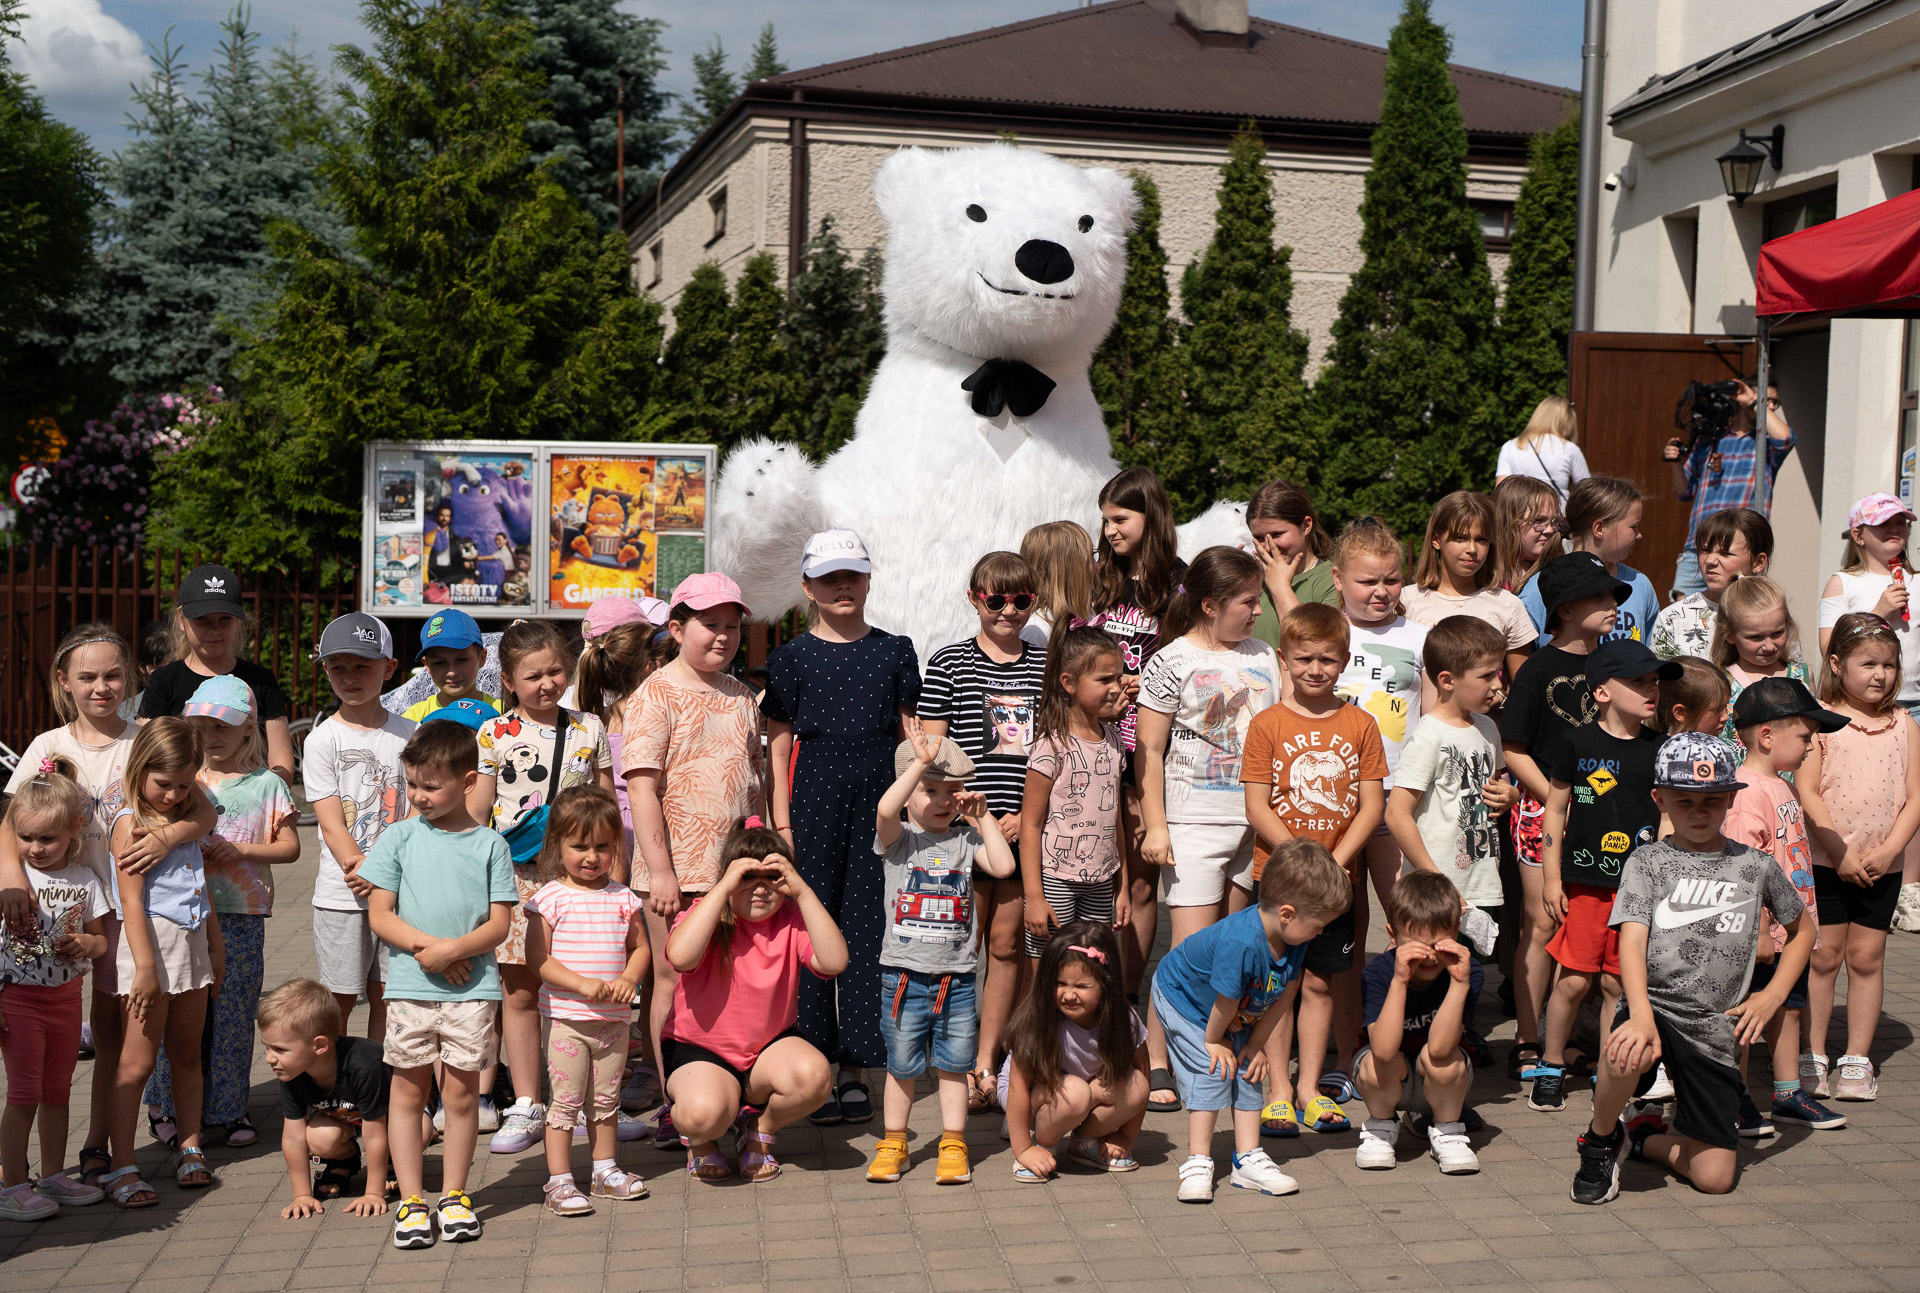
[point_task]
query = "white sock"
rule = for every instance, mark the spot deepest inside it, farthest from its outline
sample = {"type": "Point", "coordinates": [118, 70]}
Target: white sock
{"type": "Point", "coordinates": [601, 1164]}
{"type": "Point", "coordinates": [524, 1102]}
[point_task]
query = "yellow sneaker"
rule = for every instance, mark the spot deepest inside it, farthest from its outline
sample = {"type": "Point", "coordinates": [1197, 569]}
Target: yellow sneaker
{"type": "Point", "coordinates": [889, 1159]}
{"type": "Point", "coordinates": [952, 1167]}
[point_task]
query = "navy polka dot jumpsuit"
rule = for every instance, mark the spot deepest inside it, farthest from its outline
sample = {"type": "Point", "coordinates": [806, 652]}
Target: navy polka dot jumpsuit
{"type": "Point", "coordinates": [844, 701]}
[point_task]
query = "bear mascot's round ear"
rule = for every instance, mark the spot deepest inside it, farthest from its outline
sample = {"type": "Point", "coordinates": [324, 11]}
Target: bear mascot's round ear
{"type": "Point", "coordinates": [901, 179]}
{"type": "Point", "coordinates": [1119, 193]}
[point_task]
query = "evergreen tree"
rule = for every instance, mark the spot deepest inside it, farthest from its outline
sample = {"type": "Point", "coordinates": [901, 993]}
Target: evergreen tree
{"type": "Point", "coordinates": [697, 366]}
{"type": "Point", "coordinates": [49, 196]}
{"type": "Point", "coordinates": [765, 59]}
{"type": "Point", "coordinates": [1537, 311]}
{"type": "Point", "coordinates": [763, 384]}
{"type": "Point", "coordinates": [837, 336]}
{"type": "Point", "coordinates": [583, 50]}
{"type": "Point", "coordinates": [184, 269]}
{"type": "Point", "coordinates": [1404, 397]}
{"type": "Point", "coordinates": [714, 90]}
{"type": "Point", "coordinates": [303, 106]}
{"type": "Point", "coordinates": [1139, 372]}
{"type": "Point", "coordinates": [476, 299]}
{"type": "Point", "coordinates": [1245, 359]}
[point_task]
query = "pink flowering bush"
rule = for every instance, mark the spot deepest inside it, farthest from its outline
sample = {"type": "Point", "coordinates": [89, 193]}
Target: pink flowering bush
{"type": "Point", "coordinates": [97, 492]}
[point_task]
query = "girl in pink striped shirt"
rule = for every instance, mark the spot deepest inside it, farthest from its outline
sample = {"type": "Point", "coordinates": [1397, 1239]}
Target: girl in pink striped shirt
{"type": "Point", "coordinates": [587, 942]}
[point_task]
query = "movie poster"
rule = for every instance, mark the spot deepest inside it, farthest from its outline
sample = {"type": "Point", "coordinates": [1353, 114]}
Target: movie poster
{"type": "Point", "coordinates": [680, 495]}
{"type": "Point", "coordinates": [602, 540]}
{"type": "Point", "coordinates": [454, 528]}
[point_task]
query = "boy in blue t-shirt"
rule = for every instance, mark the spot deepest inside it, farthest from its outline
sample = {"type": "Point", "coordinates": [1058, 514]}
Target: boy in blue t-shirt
{"type": "Point", "coordinates": [1219, 994]}
{"type": "Point", "coordinates": [441, 897]}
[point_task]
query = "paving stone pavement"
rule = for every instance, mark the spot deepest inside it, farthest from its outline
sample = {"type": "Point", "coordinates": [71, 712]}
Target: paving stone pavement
{"type": "Point", "coordinates": [1830, 1212]}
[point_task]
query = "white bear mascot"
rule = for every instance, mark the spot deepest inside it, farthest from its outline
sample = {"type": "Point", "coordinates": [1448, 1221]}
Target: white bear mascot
{"type": "Point", "coordinates": [1003, 274]}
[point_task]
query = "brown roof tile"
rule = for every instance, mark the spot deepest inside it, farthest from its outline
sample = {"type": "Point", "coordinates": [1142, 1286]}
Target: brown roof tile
{"type": "Point", "coordinates": [1131, 56]}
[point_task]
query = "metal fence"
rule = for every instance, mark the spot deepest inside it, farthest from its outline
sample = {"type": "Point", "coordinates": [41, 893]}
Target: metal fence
{"type": "Point", "coordinates": [44, 591]}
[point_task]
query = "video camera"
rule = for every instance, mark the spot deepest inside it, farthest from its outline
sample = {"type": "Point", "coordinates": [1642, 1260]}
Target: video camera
{"type": "Point", "coordinates": [1705, 411]}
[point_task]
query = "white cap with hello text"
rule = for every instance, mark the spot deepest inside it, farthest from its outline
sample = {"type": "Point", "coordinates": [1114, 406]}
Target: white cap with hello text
{"type": "Point", "coordinates": [832, 550]}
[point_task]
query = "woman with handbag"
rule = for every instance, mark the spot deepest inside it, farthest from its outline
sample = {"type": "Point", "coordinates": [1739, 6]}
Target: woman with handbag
{"type": "Point", "coordinates": [528, 756]}
{"type": "Point", "coordinates": [1545, 450]}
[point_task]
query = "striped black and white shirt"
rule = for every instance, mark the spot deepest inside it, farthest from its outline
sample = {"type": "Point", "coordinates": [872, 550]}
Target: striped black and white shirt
{"type": "Point", "coordinates": [989, 710]}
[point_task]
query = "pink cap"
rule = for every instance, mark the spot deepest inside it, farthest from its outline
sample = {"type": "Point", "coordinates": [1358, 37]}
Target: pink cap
{"type": "Point", "coordinates": [610, 613]}
{"type": "Point", "coordinates": [700, 592]}
{"type": "Point", "coordinates": [1878, 509]}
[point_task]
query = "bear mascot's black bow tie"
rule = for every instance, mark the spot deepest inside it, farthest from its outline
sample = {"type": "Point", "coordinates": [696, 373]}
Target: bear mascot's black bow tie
{"type": "Point", "coordinates": [1008, 383]}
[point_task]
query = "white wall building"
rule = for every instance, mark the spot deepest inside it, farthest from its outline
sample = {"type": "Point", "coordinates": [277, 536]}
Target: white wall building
{"type": "Point", "coordinates": [1675, 255]}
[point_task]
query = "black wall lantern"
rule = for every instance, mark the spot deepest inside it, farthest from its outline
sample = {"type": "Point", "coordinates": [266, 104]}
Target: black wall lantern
{"type": "Point", "coordinates": [1740, 165]}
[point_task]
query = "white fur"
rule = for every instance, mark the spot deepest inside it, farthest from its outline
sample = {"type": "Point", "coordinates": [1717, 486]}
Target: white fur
{"type": "Point", "coordinates": [929, 484]}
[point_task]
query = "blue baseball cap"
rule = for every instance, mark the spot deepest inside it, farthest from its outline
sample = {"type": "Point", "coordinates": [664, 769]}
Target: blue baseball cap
{"type": "Point", "coordinates": [223, 697]}
{"type": "Point", "coordinates": [452, 629]}
{"type": "Point", "coordinates": [466, 711]}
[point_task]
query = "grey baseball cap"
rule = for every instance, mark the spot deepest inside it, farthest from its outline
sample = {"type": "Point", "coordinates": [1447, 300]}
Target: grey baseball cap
{"type": "Point", "coordinates": [356, 634]}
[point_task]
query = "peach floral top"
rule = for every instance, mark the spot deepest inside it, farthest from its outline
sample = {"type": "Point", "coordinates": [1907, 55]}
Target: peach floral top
{"type": "Point", "coordinates": [707, 745]}
{"type": "Point", "coordinates": [1863, 780]}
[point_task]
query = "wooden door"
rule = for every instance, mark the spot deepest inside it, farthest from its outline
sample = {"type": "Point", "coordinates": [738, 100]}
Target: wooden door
{"type": "Point", "coordinates": [1624, 386]}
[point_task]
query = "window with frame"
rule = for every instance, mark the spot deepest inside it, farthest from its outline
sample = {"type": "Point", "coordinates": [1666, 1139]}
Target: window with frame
{"type": "Point", "coordinates": [1905, 467]}
{"type": "Point", "coordinates": [656, 262]}
{"type": "Point", "coordinates": [1496, 223]}
{"type": "Point", "coordinates": [717, 211]}
{"type": "Point", "coordinates": [1801, 211]}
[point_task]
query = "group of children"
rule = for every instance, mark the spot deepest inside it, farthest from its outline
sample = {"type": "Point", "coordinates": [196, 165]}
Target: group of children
{"type": "Point", "coordinates": [630, 871]}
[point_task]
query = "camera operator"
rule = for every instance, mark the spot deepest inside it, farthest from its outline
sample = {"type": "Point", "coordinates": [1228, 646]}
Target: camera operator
{"type": "Point", "coordinates": [1719, 471]}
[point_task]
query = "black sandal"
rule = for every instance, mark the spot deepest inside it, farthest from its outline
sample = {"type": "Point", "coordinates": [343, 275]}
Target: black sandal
{"type": "Point", "coordinates": [172, 1139]}
{"type": "Point", "coordinates": [95, 1162]}
{"type": "Point", "coordinates": [1522, 1056]}
{"type": "Point", "coordinates": [1162, 1080]}
{"type": "Point", "coordinates": [856, 1105]}
{"type": "Point", "coordinates": [336, 1175]}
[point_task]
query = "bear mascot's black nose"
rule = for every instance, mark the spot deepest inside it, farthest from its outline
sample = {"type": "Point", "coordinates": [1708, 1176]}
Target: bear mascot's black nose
{"type": "Point", "coordinates": [1043, 261]}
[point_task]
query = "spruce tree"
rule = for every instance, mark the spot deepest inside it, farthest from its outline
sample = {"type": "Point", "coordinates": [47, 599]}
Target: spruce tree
{"type": "Point", "coordinates": [837, 336]}
{"type": "Point", "coordinates": [714, 90]}
{"type": "Point", "coordinates": [582, 51]}
{"type": "Point", "coordinates": [1245, 361]}
{"type": "Point", "coordinates": [50, 195]}
{"type": "Point", "coordinates": [476, 299]}
{"type": "Point", "coordinates": [765, 59]}
{"type": "Point", "coordinates": [696, 368]}
{"type": "Point", "coordinates": [1537, 311]}
{"type": "Point", "coordinates": [1139, 372]}
{"type": "Point", "coordinates": [763, 383]}
{"type": "Point", "coordinates": [1404, 398]}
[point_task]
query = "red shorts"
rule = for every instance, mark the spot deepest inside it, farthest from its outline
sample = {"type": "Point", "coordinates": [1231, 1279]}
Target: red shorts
{"type": "Point", "coordinates": [1584, 941]}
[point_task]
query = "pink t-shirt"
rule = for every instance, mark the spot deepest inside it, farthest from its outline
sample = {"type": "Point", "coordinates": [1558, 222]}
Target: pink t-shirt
{"type": "Point", "coordinates": [587, 933]}
{"type": "Point", "coordinates": [1077, 841]}
{"type": "Point", "coordinates": [1766, 814]}
{"type": "Point", "coordinates": [735, 1009]}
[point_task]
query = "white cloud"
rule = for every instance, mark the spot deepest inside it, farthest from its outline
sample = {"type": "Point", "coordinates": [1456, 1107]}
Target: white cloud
{"type": "Point", "coordinates": [73, 50]}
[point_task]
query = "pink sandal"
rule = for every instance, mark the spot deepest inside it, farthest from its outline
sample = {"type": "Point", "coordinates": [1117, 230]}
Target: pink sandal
{"type": "Point", "coordinates": [756, 1165]}
{"type": "Point", "coordinates": [711, 1168]}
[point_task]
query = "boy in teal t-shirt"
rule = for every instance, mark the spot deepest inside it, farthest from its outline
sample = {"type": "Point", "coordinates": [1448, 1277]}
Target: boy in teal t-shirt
{"type": "Point", "coordinates": [442, 893]}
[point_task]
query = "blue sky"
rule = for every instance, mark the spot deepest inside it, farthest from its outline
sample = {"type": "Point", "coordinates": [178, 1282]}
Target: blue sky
{"type": "Point", "coordinates": [84, 53]}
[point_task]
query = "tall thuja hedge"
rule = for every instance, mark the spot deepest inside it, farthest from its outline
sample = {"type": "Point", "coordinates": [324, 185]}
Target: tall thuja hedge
{"type": "Point", "coordinates": [475, 298]}
{"type": "Point", "coordinates": [764, 385]}
{"type": "Point", "coordinates": [1139, 372]}
{"type": "Point", "coordinates": [1537, 311]}
{"type": "Point", "coordinates": [1404, 399]}
{"type": "Point", "coordinates": [1245, 360]}
{"type": "Point", "coordinates": [836, 336]}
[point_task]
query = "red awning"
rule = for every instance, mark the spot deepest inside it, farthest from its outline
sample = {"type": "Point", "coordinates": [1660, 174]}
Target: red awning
{"type": "Point", "coordinates": [1866, 265]}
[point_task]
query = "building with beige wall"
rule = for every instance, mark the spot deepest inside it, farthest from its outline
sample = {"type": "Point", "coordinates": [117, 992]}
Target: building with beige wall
{"type": "Point", "coordinates": [1156, 86]}
{"type": "Point", "coordinates": [1676, 254]}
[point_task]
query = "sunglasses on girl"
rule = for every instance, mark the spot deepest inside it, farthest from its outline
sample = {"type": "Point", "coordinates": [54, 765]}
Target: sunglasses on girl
{"type": "Point", "coordinates": [999, 601]}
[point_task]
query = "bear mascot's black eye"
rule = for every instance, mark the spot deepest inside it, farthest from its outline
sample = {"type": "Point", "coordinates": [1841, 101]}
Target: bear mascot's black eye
{"type": "Point", "coordinates": [977, 213]}
{"type": "Point", "coordinates": [1086, 224]}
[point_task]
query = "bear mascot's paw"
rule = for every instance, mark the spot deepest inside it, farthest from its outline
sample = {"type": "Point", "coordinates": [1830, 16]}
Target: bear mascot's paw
{"type": "Point", "coordinates": [1223, 525]}
{"type": "Point", "coordinates": [766, 504]}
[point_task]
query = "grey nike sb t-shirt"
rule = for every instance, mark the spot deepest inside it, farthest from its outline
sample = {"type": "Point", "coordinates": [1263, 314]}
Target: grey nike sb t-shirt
{"type": "Point", "coordinates": [1702, 913]}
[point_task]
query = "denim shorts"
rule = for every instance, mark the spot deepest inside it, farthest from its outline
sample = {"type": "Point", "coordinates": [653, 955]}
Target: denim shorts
{"type": "Point", "coordinates": [1202, 1091]}
{"type": "Point", "coordinates": [928, 1020]}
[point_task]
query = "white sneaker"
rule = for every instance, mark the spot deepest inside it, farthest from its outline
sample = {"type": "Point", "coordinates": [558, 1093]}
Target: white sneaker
{"type": "Point", "coordinates": [1253, 1170]}
{"type": "Point", "coordinates": [1378, 1136]}
{"type": "Point", "coordinates": [1662, 1088]}
{"type": "Point", "coordinates": [1813, 1074]}
{"type": "Point", "coordinates": [522, 1127]}
{"type": "Point", "coordinates": [489, 1115]}
{"type": "Point", "coordinates": [1448, 1142]}
{"type": "Point", "coordinates": [1196, 1180]}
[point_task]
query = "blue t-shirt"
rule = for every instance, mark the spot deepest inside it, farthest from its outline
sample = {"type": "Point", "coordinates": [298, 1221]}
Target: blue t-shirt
{"type": "Point", "coordinates": [176, 884]}
{"type": "Point", "coordinates": [1636, 613]}
{"type": "Point", "coordinates": [1229, 958]}
{"type": "Point", "coordinates": [1423, 1002]}
{"type": "Point", "coordinates": [442, 884]}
